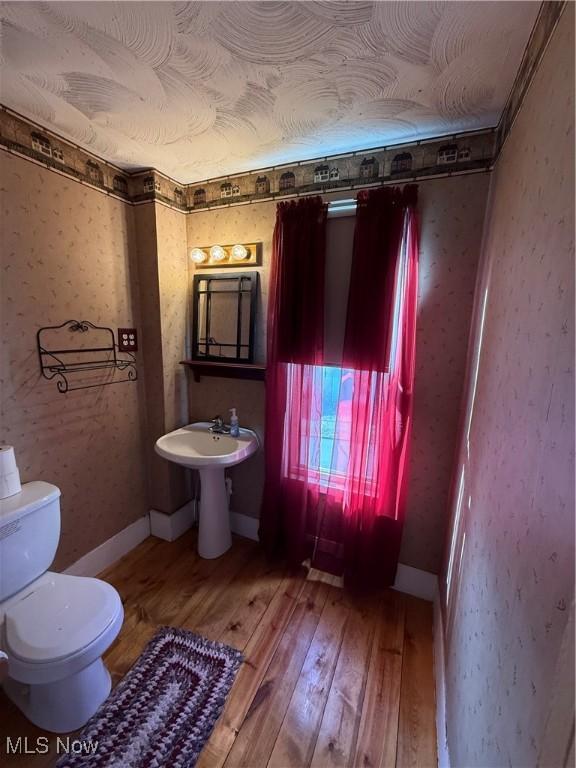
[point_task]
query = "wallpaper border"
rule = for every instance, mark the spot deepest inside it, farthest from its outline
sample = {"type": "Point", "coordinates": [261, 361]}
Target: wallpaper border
{"type": "Point", "coordinates": [468, 152]}
{"type": "Point", "coordinates": [546, 22]}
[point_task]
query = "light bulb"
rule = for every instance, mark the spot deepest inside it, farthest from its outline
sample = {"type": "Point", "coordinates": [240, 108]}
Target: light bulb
{"type": "Point", "coordinates": [239, 252]}
{"type": "Point", "coordinates": [198, 255]}
{"type": "Point", "coordinates": [217, 253]}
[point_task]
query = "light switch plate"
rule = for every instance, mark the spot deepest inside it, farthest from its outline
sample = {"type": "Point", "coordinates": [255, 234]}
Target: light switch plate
{"type": "Point", "coordinates": [127, 340]}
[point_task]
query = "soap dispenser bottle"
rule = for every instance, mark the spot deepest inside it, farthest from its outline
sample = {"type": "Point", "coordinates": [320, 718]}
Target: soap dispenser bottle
{"type": "Point", "coordinates": [234, 428]}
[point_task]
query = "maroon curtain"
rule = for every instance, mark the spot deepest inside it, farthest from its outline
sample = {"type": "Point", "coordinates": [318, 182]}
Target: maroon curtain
{"type": "Point", "coordinates": [295, 336]}
{"type": "Point", "coordinates": [380, 348]}
{"type": "Point", "coordinates": [338, 451]}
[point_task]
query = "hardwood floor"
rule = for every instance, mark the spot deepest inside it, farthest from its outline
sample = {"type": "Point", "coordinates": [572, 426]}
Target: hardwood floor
{"type": "Point", "coordinates": [329, 679]}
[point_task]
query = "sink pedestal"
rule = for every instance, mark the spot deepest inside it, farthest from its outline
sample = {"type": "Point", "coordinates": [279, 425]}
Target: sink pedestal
{"type": "Point", "coordinates": [197, 446]}
{"type": "Point", "coordinates": [214, 536]}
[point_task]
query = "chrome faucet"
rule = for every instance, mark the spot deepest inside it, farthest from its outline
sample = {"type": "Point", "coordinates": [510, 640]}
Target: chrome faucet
{"type": "Point", "coordinates": [218, 427]}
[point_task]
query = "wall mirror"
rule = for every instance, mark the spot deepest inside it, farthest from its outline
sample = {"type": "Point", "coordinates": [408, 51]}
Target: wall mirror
{"type": "Point", "coordinates": [223, 316]}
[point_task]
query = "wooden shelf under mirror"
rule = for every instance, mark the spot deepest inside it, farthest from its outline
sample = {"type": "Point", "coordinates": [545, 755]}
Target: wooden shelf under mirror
{"type": "Point", "coordinates": [225, 370]}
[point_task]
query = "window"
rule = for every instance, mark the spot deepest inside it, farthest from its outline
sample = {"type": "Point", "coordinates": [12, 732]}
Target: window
{"type": "Point", "coordinates": [321, 451]}
{"type": "Point", "coordinates": [41, 144]}
{"type": "Point", "coordinates": [119, 185]}
{"type": "Point", "coordinates": [324, 444]}
{"type": "Point", "coordinates": [151, 184]}
{"type": "Point", "coordinates": [287, 181]}
{"type": "Point", "coordinates": [199, 196]}
{"type": "Point", "coordinates": [447, 154]}
{"type": "Point", "coordinates": [321, 455]}
{"type": "Point", "coordinates": [401, 162]}
{"type": "Point", "coordinates": [262, 184]}
{"type": "Point", "coordinates": [94, 172]}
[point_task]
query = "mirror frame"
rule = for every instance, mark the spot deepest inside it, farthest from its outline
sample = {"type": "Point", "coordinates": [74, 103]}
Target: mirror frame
{"type": "Point", "coordinates": [252, 291]}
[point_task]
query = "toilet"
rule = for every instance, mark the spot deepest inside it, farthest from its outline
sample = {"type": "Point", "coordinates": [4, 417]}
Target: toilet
{"type": "Point", "coordinates": [54, 628]}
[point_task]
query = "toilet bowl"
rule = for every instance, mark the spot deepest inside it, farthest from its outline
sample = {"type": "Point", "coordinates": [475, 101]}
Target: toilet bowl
{"type": "Point", "coordinates": [54, 633]}
{"type": "Point", "coordinates": [54, 629]}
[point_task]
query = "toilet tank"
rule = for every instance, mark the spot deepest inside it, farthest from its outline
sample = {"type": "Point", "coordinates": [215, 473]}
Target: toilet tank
{"type": "Point", "coordinates": [29, 535]}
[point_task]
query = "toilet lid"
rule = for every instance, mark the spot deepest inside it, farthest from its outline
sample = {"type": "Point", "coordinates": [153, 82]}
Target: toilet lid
{"type": "Point", "coordinates": [59, 616]}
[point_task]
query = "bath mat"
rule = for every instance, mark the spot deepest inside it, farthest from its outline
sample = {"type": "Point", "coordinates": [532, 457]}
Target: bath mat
{"type": "Point", "coordinates": [163, 711]}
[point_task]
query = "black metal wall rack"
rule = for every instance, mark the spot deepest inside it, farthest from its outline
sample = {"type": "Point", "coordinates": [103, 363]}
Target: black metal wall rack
{"type": "Point", "coordinates": [75, 349]}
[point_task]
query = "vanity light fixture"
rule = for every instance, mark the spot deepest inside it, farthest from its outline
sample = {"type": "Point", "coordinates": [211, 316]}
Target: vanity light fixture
{"type": "Point", "coordinates": [217, 253]}
{"type": "Point", "coordinates": [198, 256]}
{"type": "Point", "coordinates": [228, 255]}
{"type": "Point", "coordinates": [239, 252]}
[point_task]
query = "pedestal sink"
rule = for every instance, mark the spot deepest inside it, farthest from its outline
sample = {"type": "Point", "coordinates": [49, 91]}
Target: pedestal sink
{"type": "Point", "coordinates": [210, 453]}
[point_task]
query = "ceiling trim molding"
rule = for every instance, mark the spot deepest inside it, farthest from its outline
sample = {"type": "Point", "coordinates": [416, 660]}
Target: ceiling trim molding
{"type": "Point", "coordinates": [370, 150]}
{"type": "Point", "coordinates": [444, 156]}
{"type": "Point", "coordinates": [546, 22]}
{"type": "Point", "coordinates": [456, 154]}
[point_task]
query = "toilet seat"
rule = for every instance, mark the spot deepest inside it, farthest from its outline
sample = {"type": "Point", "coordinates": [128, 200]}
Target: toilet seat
{"type": "Point", "coordinates": [58, 616]}
{"type": "Point", "coordinates": [54, 628]}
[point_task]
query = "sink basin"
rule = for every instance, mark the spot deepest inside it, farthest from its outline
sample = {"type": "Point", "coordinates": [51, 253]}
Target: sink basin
{"type": "Point", "coordinates": [210, 453]}
{"type": "Point", "coordinates": [194, 446]}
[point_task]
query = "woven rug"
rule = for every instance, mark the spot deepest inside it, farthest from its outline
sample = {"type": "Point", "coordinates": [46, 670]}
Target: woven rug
{"type": "Point", "coordinates": [163, 711]}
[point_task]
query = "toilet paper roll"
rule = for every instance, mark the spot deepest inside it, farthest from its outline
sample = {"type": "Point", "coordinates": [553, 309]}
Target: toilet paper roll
{"type": "Point", "coordinates": [9, 474]}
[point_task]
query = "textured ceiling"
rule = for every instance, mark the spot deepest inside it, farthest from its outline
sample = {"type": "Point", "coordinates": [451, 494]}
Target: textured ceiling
{"type": "Point", "coordinates": [203, 89]}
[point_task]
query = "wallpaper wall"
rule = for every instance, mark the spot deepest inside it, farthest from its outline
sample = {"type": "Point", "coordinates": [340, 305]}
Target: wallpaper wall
{"type": "Point", "coordinates": [513, 564]}
{"type": "Point", "coordinates": [451, 219]}
{"type": "Point", "coordinates": [73, 250]}
{"type": "Point", "coordinates": [452, 213]}
{"type": "Point", "coordinates": [212, 396]}
{"type": "Point", "coordinates": [172, 255]}
{"type": "Point", "coordinates": [68, 253]}
{"type": "Point", "coordinates": [162, 267]}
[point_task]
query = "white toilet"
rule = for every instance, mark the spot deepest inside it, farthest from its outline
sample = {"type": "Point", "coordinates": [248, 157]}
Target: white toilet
{"type": "Point", "coordinates": [54, 628]}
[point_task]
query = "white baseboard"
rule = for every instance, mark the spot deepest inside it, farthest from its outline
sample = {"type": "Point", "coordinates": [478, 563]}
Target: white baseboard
{"type": "Point", "coordinates": [410, 580]}
{"type": "Point", "coordinates": [244, 525]}
{"type": "Point", "coordinates": [171, 527]}
{"type": "Point", "coordinates": [440, 676]}
{"type": "Point", "coordinates": [415, 582]}
{"type": "Point", "coordinates": [113, 549]}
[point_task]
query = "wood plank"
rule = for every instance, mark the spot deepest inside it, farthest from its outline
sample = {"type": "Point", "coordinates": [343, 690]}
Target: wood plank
{"type": "Point", "coordinates": [377, 738]}
{"type": "Point", "coordinates": [184, 588]}
{"type": "Point", "coordinates": [145, 575]}
{"type": "Point", "coordinates": [249, 611]}
{"type": "Point", "coordinates": [123, 568]}
{"type": "Point", "coordinates": [338, 733]}
{"type": "Point", "coordinates": [257, 657]}
{"type": "Point", "coordinates": [297, 736]}
{"type": "Point", "coordinates": [416, 725]}
{"type": "Point", "coordinates": [179, 576]}
{"type": "Point", "coordinates": [14, 725]}
{"type": "Point", "coordinates": [257, 735]}
{"type": "Point", "coordinates": [320, 684]}
{"type": "Point", "coordinates": [248, 594]}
